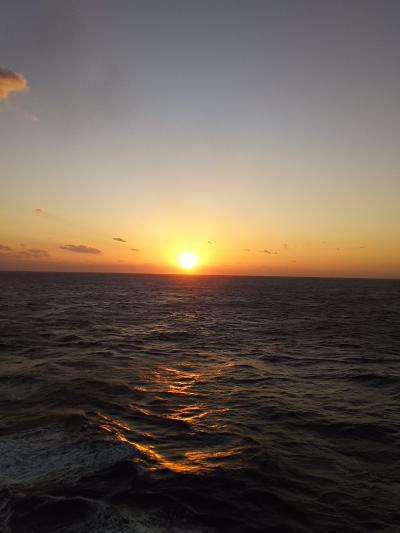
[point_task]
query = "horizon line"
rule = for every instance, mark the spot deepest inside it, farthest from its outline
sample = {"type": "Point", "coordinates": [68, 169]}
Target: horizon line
{"type": "Point", "coordinates": [189, 275]}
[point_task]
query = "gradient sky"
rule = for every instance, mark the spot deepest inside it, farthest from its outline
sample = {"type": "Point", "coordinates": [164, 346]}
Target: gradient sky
{"type": "Point", "coordinates": [269, 128]}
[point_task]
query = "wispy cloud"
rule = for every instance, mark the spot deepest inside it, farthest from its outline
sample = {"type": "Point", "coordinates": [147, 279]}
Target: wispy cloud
{"type": "Point", "coordinates": [30, 254]}
{"type": "Point", "coordinates": [34, 253]}
{"type": "Point", "coordinates": [119, 239]}
{"type": "Point", "coordinates": [246, 249]}
{"type": "Point", "coordinates": [135, 249]}
{"type": "Point", "coordinates": [4, 248]}
{"type": "Point", "coordinates": [39, 210]}
{"type": "Point", "coordinates": [11, 82]}
{"type": "Point", "coordinates": [269, 252]}
{"type": "Point", "coordinates": [22, 112]}
{"type": "Point", "coordinates": [80, 249]}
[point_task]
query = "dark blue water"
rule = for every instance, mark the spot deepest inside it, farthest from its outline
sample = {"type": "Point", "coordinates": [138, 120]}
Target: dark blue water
{"type": "Point", "coordinates": [187, 404]}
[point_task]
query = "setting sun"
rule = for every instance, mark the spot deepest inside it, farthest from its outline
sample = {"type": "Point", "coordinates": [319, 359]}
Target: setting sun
{"type": "Point", "coordinates": [187, 260]}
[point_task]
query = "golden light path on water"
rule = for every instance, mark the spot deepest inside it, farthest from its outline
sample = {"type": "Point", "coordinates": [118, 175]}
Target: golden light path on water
{"type": "Point", "coordinates": [177, 382]}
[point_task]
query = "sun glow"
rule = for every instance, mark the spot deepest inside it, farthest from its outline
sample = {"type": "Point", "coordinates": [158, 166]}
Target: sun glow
{"type": "Point", "coordinates": [187, 260]}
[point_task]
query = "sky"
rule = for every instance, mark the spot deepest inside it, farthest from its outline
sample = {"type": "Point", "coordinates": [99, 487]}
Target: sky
{"type": "Point", "coordinates": [263, 136]}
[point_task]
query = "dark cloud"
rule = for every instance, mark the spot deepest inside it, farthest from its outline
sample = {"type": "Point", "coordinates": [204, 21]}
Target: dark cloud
{"type": "Point", "coordinates": [135, 249]}
{"type": "Point", "coordinates": [11, 82]}
{"type": "Point", "coordinates": [118, 239]}
{"type": "Point", "coordinates": [80, 249]}
{"type": "Point", "coordinates": [209, 242]}
{"type": "Point", "coordinates": [5, 248]}
{"type": "Point", "coordinates": [246, 249]}
{"type": "Point", "coordinates": [39, 210]}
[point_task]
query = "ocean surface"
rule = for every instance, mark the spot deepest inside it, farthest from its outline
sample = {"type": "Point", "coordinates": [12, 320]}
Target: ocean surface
{"type": "Point", "coordinates": [188, 404]}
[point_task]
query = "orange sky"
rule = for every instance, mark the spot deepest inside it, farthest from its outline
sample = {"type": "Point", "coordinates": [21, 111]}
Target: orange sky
{"type": "Point", "coordinates": [47, 242]}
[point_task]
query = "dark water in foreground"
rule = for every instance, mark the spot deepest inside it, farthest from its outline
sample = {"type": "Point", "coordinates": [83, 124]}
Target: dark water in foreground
{"type": "Point", "coordinates": [187, 404]}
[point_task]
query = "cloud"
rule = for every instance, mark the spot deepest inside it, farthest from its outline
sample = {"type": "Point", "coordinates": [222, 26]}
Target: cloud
{"type": "Point", "coordinates": [5, 248]}
{"type": "Point", "coordinates": [209, 242]}
{"type": "Point", "coordinates": [135, 249]}
{"type": "Point", "coordinates": [22, 112]}
{"type": "Point", "coordinates": [11, 82]}
{"type": "Point", "coordinates": [80, 249]}
{"type": "Point", "coordinates": [118, 239]}
{"type": "Point", "coordinates": [269, 252]}
{"type": "Point", "coordinates": [34, 253]}
{"type": "Point", "coordinates": [246, 249]}
{"type": "Point", "coordinates": [39, 210]}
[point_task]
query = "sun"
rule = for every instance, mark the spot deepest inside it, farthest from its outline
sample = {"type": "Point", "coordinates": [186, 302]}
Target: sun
{"type": "Point", "coordinates": [187, 260]}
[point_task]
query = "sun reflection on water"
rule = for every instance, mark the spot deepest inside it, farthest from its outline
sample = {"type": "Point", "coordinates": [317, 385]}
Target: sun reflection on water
{"type": "Point", "coordinates": [199, 417]}
{"type": "Point", "coordinates": [192, 461]}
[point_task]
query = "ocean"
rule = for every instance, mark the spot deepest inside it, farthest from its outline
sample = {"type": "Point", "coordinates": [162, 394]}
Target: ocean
{"type": "Point", "coordinates": [188, 404]}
